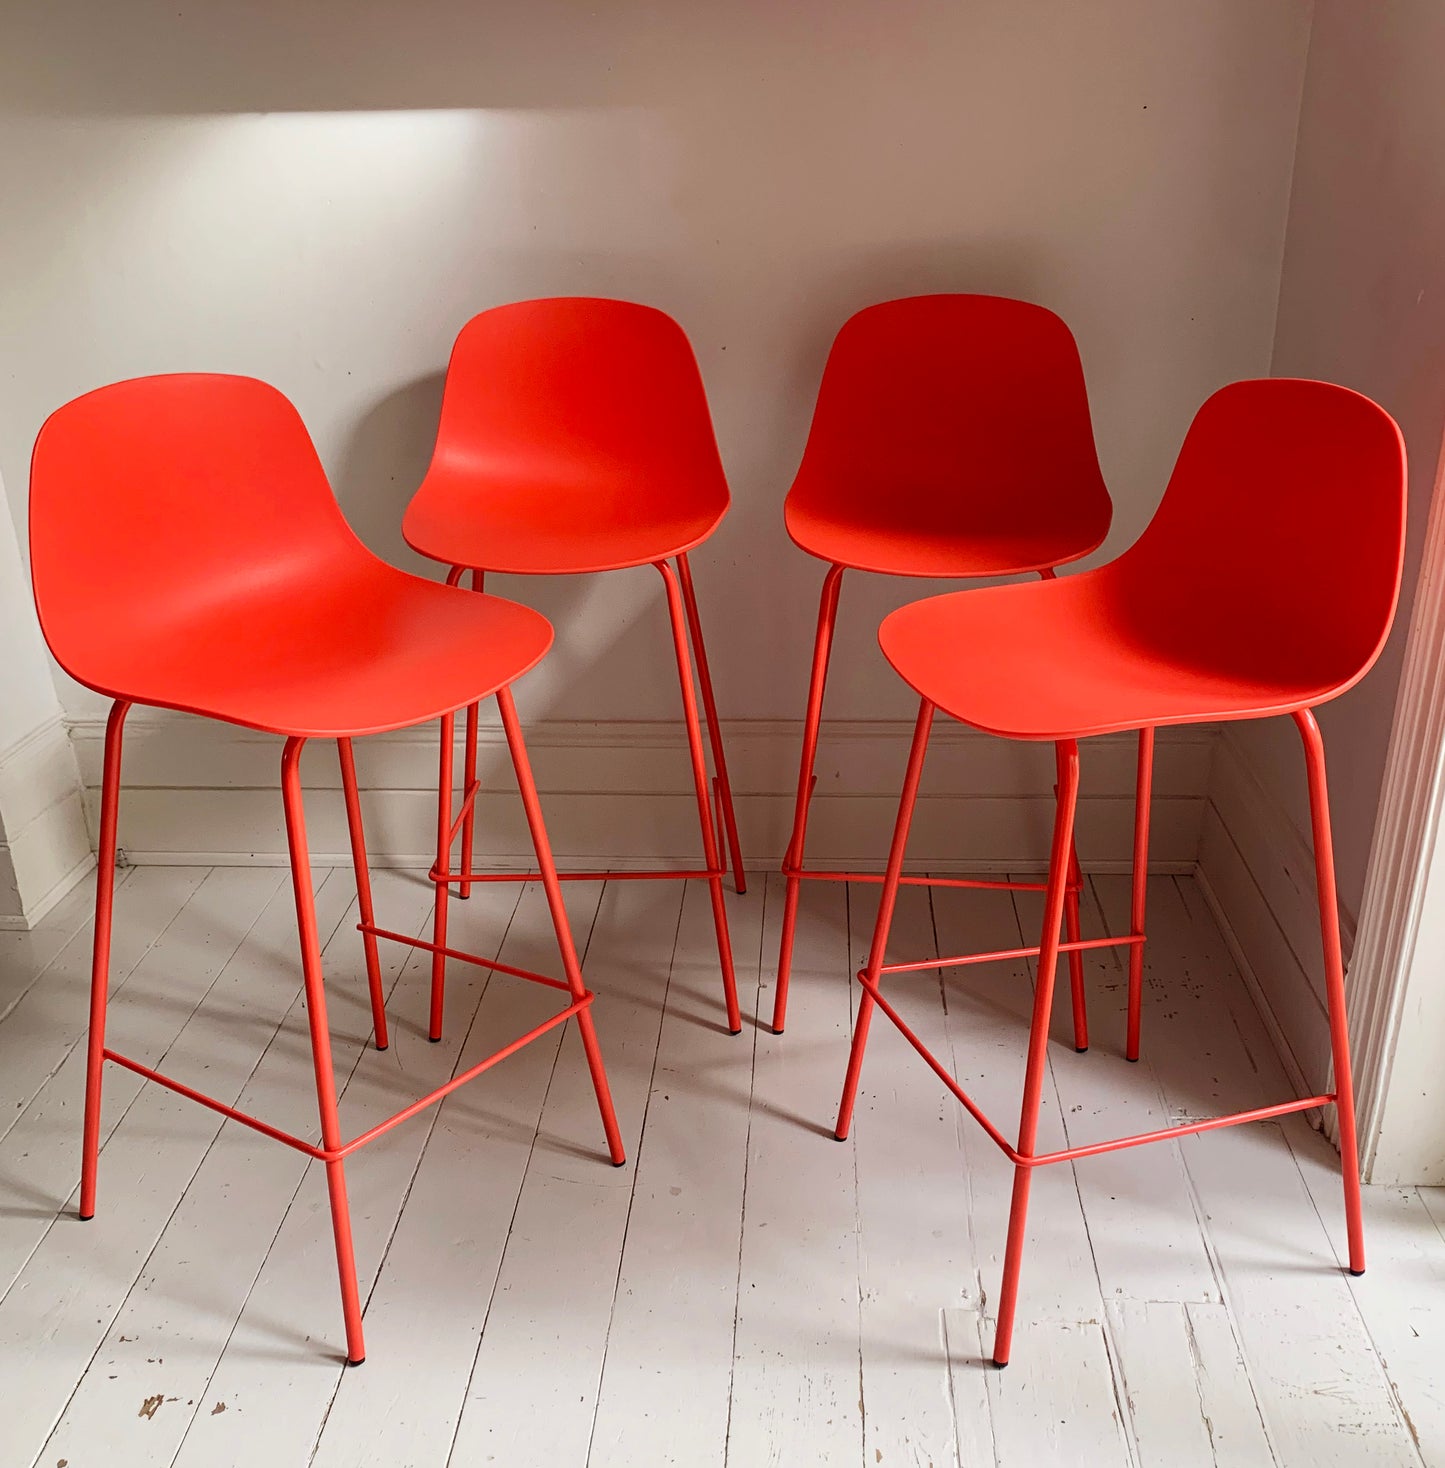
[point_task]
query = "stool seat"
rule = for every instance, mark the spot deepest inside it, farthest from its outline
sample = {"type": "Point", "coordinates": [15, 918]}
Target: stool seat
{"type": "Point", "coordinates": [1219, 611]}
{"type": "Point", "coordinates": [1080, 656]}
{"type": "Point", "coordinates": [527, 524]}
{"type": "Point", "coordinates": [327, 656]}
{"type": "Point", "coordinates": [895, 532]}
{"type": "Point", "coordinates": [574, 437]}
{"type": "Point", "coordinates": [193, 557]}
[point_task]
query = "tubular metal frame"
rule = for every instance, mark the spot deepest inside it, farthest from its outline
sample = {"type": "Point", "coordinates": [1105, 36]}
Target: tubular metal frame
{"type": "Point", "coordinates": [1023, 1153]}
{"type": "Point", "coordinates": [686, 627]}
{"type": "Point", "coordinates": [795, 872]}
{"type": "Point", "coordinates": [332, 1150]}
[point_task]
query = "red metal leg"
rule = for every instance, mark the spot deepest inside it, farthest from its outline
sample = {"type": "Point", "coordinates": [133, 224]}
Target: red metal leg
{"type": "Point", "coordinates": [469, 773]}
{"type": "Point", "coordinates": [1142, 790]}
{"type": "Point", "coordinates": [444, 849]}
{"type": "Point", "coordinates": [822, 648]}
{"type": "Point", "coordinates": [714, 730]}
{"type": "Point", "coordinates": [704, 804]}
{"type": "Point", "coordinates": [1071, 909]}
{"type": "Point", "coordinates": [321, 1044]}
{"type": "Point", "coordinates": [100, 954]}
{"type": "Point", "coordinates": [887, 899]}
{"type": "Point", "coordinates": [363, 890]}
{"type": "Point", "coordinates": [1334, 983]}
{"type": "Point", "coordinates": [1038, 1043]}
{"type": "Point", "coordinates": [553, 888]}
{"type": "Point", "coordinates": [1071, 924]}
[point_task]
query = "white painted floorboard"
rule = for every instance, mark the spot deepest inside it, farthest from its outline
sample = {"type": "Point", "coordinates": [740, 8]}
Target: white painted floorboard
{"type": "Point", "coordinates": [746, 1291]}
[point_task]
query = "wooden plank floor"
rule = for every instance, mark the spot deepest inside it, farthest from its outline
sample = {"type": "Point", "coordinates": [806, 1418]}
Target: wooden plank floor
{"type": "Point", "coordinates": [746, 1291]}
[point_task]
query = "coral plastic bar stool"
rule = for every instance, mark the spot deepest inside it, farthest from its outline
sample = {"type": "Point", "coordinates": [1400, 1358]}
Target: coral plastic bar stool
{"type": "Point", "coordinates": [197, 504]}
{"type": "Point", "coordinates": [1265, 584]}
{"type": "Point", "coordinates": [575, 438]}
{"type": "Point", "coordinates": [951, 438]}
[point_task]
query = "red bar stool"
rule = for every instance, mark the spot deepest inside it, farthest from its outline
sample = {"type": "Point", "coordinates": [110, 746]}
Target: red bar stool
{"type": "Point", "coordinates": [951, 439]}
{"type": "Point", "coordinates": [575, 438]}
{"type": "Point", "coordinates": [188, 554]}
{"type": "Point", "coordinates": [1265, 584]}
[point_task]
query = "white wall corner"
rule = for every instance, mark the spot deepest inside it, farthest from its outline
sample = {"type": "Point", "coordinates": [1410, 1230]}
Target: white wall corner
{"type": "Point", "coordinates": [44, 846]}
{"type": "Point", "coordinates": [1257, 870]}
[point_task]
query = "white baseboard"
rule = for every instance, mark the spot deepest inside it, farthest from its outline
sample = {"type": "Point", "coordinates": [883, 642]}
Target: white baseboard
{"type": "Point", "coordinates": [46, 846]}
{"type": "Point", "coordinates": [1257, 871]}
{"type": "Point", "coordinates": [619, 795]}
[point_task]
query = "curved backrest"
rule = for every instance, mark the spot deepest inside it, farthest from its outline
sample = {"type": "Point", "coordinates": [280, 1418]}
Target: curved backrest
{"type": "Point", "coordinates": [974, 401]}
{"type": "Point", "coordinates": [1281, 535]}
{"type": "Point", "coordinates": [156, 499]}
{"type": "Point", "coordinates": [581, 394]}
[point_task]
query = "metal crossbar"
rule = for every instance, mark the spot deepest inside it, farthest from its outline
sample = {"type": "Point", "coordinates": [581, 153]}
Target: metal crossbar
{"type": "Point", "coordinates": [1092, 1149]}
{"type": "Point", "coordinates": [335, 1154]}
{"type": "Point", "coordinates": [998, 954]}
{"type": "Point", "coordinates": [988, 884]}
{"type": "Point", "coordinates": [469, 799]}
{"type": "Point", "coordinates": [644, 876]}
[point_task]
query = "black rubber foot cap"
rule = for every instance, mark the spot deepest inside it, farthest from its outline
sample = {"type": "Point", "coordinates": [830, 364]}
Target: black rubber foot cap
{"type": "Point", "coordinates": [434, 1039]}
{"type": "Point", "coordinates": [1081, 1049]}
{"type": "Point", "coordinates": [85, 1217]}
{"type": "Point", "coordinates": [360, 1361]}
{"type": "Point", "coordinates": [737, 1031]}
{"type": "Point", "coordinates": [383, 1047]}
{"type": "Point", "coordinates": [1357, 1272]}
{"type": "Point", "coordinates": [1132, 1059]}
{"type": "Point", "coordinates": [623, 1163]}
{"type": "Point", "coordinates": [837, 1138]}
{"type": "Point", "coordinates": [775, 1029]}
{"type": "Point", "coordinates": [998, 1365]}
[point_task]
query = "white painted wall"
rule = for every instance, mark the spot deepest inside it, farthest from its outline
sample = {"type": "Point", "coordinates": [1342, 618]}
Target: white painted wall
{"type": "Point", "coordinates": [320, 194]}
{"type": "Point", "coordinates": [1362, 302]}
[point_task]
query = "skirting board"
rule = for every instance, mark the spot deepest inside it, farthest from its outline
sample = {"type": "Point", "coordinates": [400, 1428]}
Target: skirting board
{"type": "Point", "coordinates": [1257, 870]}
{"type": "Point", "coordinates": [620, 794]}
{"type": "Point", "coordinates": [45, 847]}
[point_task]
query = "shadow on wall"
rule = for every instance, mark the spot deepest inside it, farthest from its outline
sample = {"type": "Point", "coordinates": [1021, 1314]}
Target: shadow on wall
{"type": "Point", "coordinates": [382, 462]}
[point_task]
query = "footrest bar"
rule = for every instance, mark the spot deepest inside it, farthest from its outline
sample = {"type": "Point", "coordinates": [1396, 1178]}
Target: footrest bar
{"type": "Point", "coordinates": [1092, 1149]}
{"type": "Point", "coordinates": [432, 1097]}
{"type": "Point", "coordinates": [1183, 1129]}
{"type": "Point", "coordinates": [999, 954]}
{"type": "Point", "coordinates": [323, 1154]}
{"type": "Point", "coordinates": [936, 1066]}
{"type": "Point", "coordinates": [492, 963]}
{"type": "Point", "coordinates": [661, 875]}
{"type": "Point", "coordinates": [988, 884]}
{"type": "Point", "coordinates": [210, 1102]}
